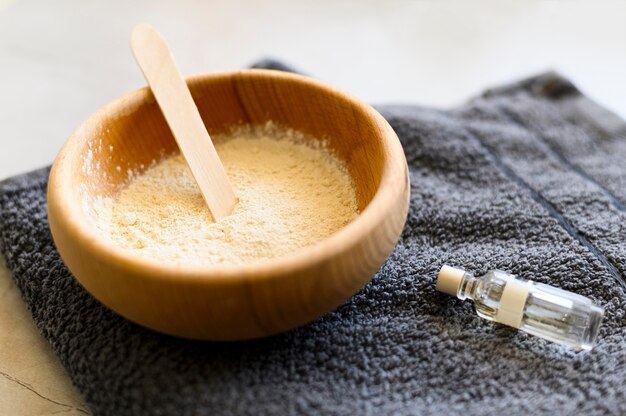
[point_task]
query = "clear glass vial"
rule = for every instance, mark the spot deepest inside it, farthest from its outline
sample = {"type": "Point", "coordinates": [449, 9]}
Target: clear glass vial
{"type": "Point", "coordinates": [541, 310]}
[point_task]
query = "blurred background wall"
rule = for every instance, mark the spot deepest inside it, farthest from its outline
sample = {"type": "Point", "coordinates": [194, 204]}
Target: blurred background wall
{"type": "Point", "coordinates": [61, 60]}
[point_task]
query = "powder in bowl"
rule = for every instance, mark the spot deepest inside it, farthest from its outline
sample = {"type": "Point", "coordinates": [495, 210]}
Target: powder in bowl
{"type": "Point", "coordinates": [292, 193]}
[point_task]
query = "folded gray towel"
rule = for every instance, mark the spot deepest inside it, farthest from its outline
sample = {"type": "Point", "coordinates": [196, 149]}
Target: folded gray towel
{"type": "Point", "coordinates": [529, 178]}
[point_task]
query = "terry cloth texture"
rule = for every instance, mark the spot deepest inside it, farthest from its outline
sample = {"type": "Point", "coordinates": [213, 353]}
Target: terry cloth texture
{"type": "Point", "coordinates": [529, 178]}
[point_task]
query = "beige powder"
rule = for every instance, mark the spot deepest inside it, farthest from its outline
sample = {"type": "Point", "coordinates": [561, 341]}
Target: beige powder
{"type": "Point", "coordinates": [291, 194]}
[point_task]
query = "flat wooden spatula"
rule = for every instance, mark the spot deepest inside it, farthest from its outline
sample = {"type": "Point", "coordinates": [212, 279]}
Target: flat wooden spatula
{"type": "Point", "coordinates": [180, 111]}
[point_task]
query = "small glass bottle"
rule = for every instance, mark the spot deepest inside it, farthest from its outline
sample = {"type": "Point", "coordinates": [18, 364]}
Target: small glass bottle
{"type": "Point", "coordinates": [541, 310]}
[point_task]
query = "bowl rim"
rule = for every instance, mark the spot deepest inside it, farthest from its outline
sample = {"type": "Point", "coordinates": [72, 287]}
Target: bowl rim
{"type": "Point", "coordinates": [394, 178]}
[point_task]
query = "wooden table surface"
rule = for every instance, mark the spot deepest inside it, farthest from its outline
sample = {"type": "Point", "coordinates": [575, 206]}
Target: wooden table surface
{"type": "Point", "coordinates": [75, 54]}
{"type": "Point", "coordinates": [32, 381]}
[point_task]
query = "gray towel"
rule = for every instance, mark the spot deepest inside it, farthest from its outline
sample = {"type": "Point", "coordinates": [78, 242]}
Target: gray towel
{"type": "Point", "coordinates": [529, 178]}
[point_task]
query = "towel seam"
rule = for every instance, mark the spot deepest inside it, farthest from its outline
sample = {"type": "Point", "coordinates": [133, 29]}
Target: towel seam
{"type": "Point", "coordinates": [617, 203]}
{"type": "Point", "coordinates": [550, 208]}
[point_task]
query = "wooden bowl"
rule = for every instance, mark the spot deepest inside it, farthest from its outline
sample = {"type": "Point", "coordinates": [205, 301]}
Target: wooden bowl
{"type": "Point", "coordinates": [236, 302]}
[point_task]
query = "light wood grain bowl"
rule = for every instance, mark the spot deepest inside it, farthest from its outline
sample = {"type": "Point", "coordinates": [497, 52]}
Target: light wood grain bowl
{"type": "Point", "coordinates": [237, 302]}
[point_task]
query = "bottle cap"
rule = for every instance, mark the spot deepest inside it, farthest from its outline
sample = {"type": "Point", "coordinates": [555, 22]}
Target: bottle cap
{"type": "Point", "coordinates": [449, 280]}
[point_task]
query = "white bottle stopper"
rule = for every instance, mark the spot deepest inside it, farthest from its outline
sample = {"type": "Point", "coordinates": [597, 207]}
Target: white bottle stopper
{"type": "Point", "coordinates": [449, 280]}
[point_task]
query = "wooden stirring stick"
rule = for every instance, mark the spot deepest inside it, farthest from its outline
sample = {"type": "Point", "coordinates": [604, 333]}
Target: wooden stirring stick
{"type": "Point", "coordinates": [180, 111]}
